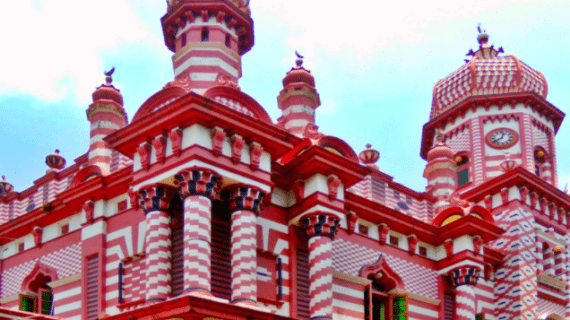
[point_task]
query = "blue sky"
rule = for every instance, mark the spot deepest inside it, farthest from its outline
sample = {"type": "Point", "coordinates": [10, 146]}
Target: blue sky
{"type": "Point", "coordinates": [375, 65]}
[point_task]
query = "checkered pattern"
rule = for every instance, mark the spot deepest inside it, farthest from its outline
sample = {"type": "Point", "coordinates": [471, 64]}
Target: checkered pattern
{"type": "Point", "coordinates": [460, 142]}
{"type": "Point", "coordinates": [234, 105]}
{"type": "Point", "coordinates": [244, 256]}
{"type": "Point", "coordinates": [465, 302]}
{"type": "Point", "coordinates": [320, 277]}
{"type": "Point", "coordinates": [159, 255]}
{"type": "Point", "coordinates": [486, 76]}
{"type": "Point", "coordinates": [197, 240]}
{"type": "Point", "coordinates": [546, 307]}
{"type": "Point", "coordinates": [133, 279]}
{"type": "Point", "coordinates": [349, 257]}
{"type": "Point", "coordinates": [66, 262]}
{"type": "Point", "coordinates": [516, 283]}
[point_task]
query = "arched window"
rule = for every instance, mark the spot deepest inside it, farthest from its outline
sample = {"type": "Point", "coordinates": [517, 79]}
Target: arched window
{"type": "Point", "coordinates": [462, 160]}
{"type": "Point", "coordinates": [36, 295]}
{"type": "Point", "coordinates": [385, 297]}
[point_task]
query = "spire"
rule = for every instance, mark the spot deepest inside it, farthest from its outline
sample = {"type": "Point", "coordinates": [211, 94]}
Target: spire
{"type": "Point", "coordinates": [485, 50]}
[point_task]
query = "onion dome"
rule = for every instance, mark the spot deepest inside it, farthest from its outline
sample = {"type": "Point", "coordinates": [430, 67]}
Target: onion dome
{"type": "Point", "coordinates": [5, 187]}
{"type": "Point", "coordinates": [440, 150]}
{"type": "Point", "coordinates": [299, 74]}
{"type": "Point", "coordinates": [369, 156]}
{"type": "Point", "coordinates": [55, 161]}
{"type": "Point", "coordinates": [107, 91]}
{"type": "Point", "coordinates": [486, 73]}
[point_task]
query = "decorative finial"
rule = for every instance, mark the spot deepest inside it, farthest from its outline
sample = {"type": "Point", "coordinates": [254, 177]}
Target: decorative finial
{"type": "Point", "coordinates": [369, 157]}
{"type": "Point", "coordinates": [55, 162]}
{"type": "Point", "coordinates": [108, 75]}
{"type": "Point", "coordinates": [299, 60]}
{"type": "Point", "coordinates": [5, 187]}
{"type": "Point", "coordinates": [482, 37]}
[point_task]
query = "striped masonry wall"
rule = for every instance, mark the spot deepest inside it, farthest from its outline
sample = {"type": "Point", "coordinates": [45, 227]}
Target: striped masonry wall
{"type": "Point", "coordinates": [67, 300]}
{"type": "Point", "coordinates": [514, 301]}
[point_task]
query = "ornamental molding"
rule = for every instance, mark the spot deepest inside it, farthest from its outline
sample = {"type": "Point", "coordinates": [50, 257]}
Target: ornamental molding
{"type": "Point", "coordinates": [350, 278]}
{"type": "Point", "coordinates": [550, 281]}
{"type": "Point", "coordinates": [64, 281]}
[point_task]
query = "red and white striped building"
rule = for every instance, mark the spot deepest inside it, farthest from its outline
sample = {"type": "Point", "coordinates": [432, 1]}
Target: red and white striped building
{"type": "Point", "coordinates": [203, 207]}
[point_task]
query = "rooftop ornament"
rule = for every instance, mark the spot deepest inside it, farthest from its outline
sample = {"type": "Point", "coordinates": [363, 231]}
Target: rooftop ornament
{"type": "Point", "coordinates": [5, 187]}
{"type": "Point", "coordinates": [369, 157]}
{"type": "Point", "coordinates": [485, 50]}
{"type": "Point", "coordinates": [55, 162]}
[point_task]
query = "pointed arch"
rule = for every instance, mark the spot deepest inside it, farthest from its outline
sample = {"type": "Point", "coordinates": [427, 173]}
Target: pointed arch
{"type": "Point", "coordinates": [39, 276]}
{"type": "Point", "coordinates": [380, 271]}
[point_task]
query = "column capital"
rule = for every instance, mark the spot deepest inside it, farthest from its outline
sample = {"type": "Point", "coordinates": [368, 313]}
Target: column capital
{"type": "Point", "coordinates": [245, 197]}
{"type": "Point", "coordinates": [156, 197]}
{"type": "Point", "coordinates": [321, 224]}
{"type": "Point", "coordinates": [465, 275]}
{"type": "Point", "coordinates": [198, 181]}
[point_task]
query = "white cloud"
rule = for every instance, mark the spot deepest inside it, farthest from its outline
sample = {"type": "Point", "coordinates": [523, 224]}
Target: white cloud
{"type": "Point", "coordinates": [53, 47]}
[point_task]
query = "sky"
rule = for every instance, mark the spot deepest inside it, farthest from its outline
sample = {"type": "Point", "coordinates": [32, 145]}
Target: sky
{"type": "Point", "coordinates": [375, 64]}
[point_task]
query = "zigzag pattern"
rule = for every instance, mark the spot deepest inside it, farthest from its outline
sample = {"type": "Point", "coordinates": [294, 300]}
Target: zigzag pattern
{"type": "Point", "coordinates": [197, 239]}
{"type": "Point", "coordinates": [320, 277]}
{"type": "Point", "coordinates": [158, 260]}
{"type": "Point", "coordinates": [516, 288]}
{"type": "Point", "coordinates": [244, 256]}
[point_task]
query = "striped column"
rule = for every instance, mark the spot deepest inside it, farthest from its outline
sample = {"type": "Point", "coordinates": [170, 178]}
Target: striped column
{"type": "Point", "coordinates": [465, 279]}
{"type": "Point", "coordinates": [244, 204]}
{"type": "Point", "coordinates": [559, 263]}
{"type": "Point", "coordinates": [321, 228]}
{"type": "Point", "coordinates": [548, 261]}
{"type": "Point", "coordinates": [197, 186]}
{"type": "Point", "coordinates": [156, 205]}
{"type": "Point", "coordinates": [539, 258]}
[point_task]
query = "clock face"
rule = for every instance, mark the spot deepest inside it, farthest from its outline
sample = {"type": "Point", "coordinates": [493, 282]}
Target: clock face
{"type": "Point", "coordinates": [502, 138]}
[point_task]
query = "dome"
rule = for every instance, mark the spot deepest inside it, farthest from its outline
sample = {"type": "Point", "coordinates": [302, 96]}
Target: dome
{"type": "Point", "coordinates": [107, 91]}
{"type": "Point", "coordinates": [486, 74]}
{"type": "Point", "coordinates": [299, 74]}
{"type": "Point", "coordinates": [440, 150]}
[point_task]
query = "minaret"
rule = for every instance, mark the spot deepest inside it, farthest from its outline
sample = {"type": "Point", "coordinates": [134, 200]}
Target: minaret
{"type": "Point", "coordinates": [106, 115]}
{"type": "Point", "coordinates": [208, 39]}
{"type": "Point", "coordinates": [299, 99]}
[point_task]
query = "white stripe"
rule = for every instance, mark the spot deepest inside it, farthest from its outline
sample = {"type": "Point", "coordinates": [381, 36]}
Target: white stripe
{"type": "Point", "coordinates": [203, 61]}
{"type": "Point", "coordinates": [424, 311]}
{"type": "Point", "coordinates": [348, 305]}
{"type": "Point", "coordinates": [66, 294]}
{"type": "Point", "coordinates": [67, 307]}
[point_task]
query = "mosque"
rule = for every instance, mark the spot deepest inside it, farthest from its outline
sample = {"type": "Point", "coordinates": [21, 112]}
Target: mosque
{"type": "Point", "coordinates": [202, 207]}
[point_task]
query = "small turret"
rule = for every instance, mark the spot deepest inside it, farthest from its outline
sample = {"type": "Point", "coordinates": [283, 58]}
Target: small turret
{"type": "Point", "coordinates": [441, 173]}
{"type": "Point", "coordinates": [106, 115]}
{"type": "Point", "coordinates": [299, 99]}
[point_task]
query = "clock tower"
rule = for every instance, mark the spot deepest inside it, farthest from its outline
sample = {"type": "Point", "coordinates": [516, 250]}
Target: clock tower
{"type": "Point", "coordinates": [492, 109]}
